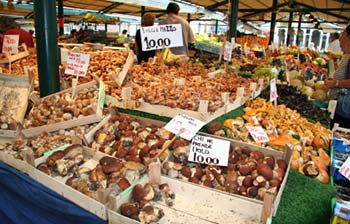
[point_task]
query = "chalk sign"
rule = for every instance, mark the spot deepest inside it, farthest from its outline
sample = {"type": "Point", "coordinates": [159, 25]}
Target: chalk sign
{"type": "Point", "coordinates": [345, 169]}
{"type": "Point", "coordinates": [10, 44]}
{"type": "Point", "coordinates": [273, 90]}
{"type": "Point", "coordinates": [258, 133]}
{"type": "Point", "coordinates": [77, 64]}
{"type": "Point", "coordinates": [161, 36]}
{"type": "Point", "coordinates": [184, 126]}
{"type": "Point", "coordinates": [209, 150]}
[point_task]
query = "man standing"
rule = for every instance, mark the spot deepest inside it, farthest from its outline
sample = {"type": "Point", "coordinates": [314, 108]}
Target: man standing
{"type": "Point", "coordinates": [334, 46]}
{"type": "Point", "coordinates": [172, 11]}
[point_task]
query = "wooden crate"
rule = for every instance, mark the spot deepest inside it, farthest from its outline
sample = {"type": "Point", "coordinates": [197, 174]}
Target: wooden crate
{"type": "Point", "coordinates": [18, 164]}
{"type": "Point", "coordinates": [196, 204]}
{"type": "Point", "coordinates": [17, 81]}
{"type": "Point", "coordinates": [29, 132]}
{"type": "Point", "coordinates": [14, 57]}
{"type": "Point", "coordinates": [286, 155]}
{"type": "Point", "coordinates": [58, 185]}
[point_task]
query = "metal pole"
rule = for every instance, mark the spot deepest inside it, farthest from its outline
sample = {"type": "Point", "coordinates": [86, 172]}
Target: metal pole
{"type": "Point", "coordinates": [216, 26]}
{"type": "Point", "coordinates": [273, 21]}
{"type": "Point", "coordinates": [234, 18]}
{"type": "Point", "coordinates": [299, 29]}
{"type": "Point", "coordinates": [46, 45]}
{"type": "Point", "coordinates": [143, 11]}
{"type": "Point", "coordinates": [188, 17]}
{"type": "Point", "coordinates": [289, 28]}
{"type": "Point", "coordinates": [60, 17]}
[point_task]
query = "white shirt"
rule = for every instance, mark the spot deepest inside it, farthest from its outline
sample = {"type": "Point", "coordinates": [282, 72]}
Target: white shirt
{"type": "Point", "coordinates": [334, 46]}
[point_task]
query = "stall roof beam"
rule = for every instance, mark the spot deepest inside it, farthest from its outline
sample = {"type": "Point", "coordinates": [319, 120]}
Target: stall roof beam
{"type": "Point", "coordinates": [296, 10]}
{"type": "Point", "coordinates": [324, 11]}
{"type": "Point", "coordinates": [270, 9]}
{"type": "Point", "coordinates": [29, 15]}
{"type": "Point", "coordinates": [110, 7]}
{"type": "Point", "coordinates": [217, 5]}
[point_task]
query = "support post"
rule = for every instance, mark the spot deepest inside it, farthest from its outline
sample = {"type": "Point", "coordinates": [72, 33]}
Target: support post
{"type": "Point", "coordinates": [289, 27]}
{"type": "Point", "coordinates": [299, 29]}
{"type": "Point", "coordinates": [234, 18]}
{"type": "Point", "coordinates": [188, 17]}
{"type": "Point", "coordinates": [60, 17]}
{"type": "Point", "coordinates": [216, 26]}
{"type": "Point", "coordinates": [143, 11]}
{"type": "Point", "coordinates": [273, 21]}
{"type": "Point", "coordinates": [46, 44]}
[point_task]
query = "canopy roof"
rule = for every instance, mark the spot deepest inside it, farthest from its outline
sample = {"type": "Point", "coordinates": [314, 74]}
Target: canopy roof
{"type": "Point", "coordinates": [257, 11]}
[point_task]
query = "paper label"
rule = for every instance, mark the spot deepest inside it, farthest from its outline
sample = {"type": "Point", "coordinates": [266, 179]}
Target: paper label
{"type": "Point", "coordinates": [258, 133]}
{"type": "Point", "coordinates": [77, 64]}
{"type": "Point", "coordinates": [161, 36]}
{"type": "Point", "coordinates": [208, 150]}
{"type": "Point", "coordinates": [228, 51]}
{"type": "Point", "coordinates": [184, 126]}
{"type": "Point", "coordinates": [345, 169]}
{"type": "Point", "coordinates": [273, 90]}
{"type": "Point", "coordinates": [101, 95]}
{"type": "Point", "coordinates": [10, 44]}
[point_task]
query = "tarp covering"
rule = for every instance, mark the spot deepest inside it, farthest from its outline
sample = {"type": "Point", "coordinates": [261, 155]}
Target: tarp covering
{"type": "Point", "coordinates": [24, 200]}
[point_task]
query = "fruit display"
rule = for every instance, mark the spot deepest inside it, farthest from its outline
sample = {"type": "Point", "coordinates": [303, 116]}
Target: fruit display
{"type": "Point", "coordinates": [252, 40]}
{"type": "Point", "coordinates": [208, 44]}
{"type": "Point", "coordinates": [249, 172]}
{"type": "Point", "coordinates": [124, 137]}
{"type": "Point", "coordinates": [142, 206]}
{"type": "Point", "coordinates": [298, 101]}
{"type": "Point", "coordinates": [283, 126]}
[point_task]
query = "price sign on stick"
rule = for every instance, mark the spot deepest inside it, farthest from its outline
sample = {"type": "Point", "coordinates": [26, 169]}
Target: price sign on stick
{"type": "Point", "coordinates": [208, 150]}
{"type": "Point", "coordinates": [10, 44]}
{"type": "Point", "coordinates": [273, 90]}
{"type": "Point", "coordinates": [258, 133]}
{"type": "Point", "coordinates": [162, 36]}
{"type": "Point", "coordinates": [77, 64]}
{"type": "Point", "coordinates": [345, 169]}
{"type": "Point", "coordinates": [184, 126]}
{"type": "Point", "coordinates": [228, 51]}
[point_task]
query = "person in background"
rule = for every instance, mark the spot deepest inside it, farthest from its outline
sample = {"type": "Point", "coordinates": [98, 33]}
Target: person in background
{"type": "Point", "coordinates": [122, 38]}
{"type": "Point", "coordinates": [10, 27]}
{"type": "Point", "coordinates": [172, 11]}
{"type": "Point", "coordinates": [147, 20]}
{"type": "Point", "coordinates": [334, 45]}
{"type": "Point", "coordinates": [340, 81]}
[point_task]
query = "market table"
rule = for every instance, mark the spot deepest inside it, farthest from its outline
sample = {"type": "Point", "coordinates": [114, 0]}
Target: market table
{"type": "Point", "coordinates": [23, 200]}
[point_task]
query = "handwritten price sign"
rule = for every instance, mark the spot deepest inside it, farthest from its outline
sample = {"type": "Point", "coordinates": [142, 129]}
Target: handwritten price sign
{"type": "Point", "coordinates": [273, 90]}
{"type": "Point", "coordinates": [228, 51]}
{"type": "Point", "coordinates": [258, 133]}
{"type": "Point", "coordinates": [185, 126]}
{"type": "Point", "coordinates": [10, 44]}
{"type": "Point", "coordinates": [77, 64]}
{"type": "Point", "coordinates": [345, 169]}
{"type": "Point", "coordinates": [162, 36]}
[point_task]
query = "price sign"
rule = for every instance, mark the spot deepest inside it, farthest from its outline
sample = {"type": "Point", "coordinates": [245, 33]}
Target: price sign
{"type": "Point", "coordinates": [162, 36]}
{"type": "Point", "coordinates": [258, 133]}
{"type": "Point", "coordinates": [10, 44]}
{"type": "Point", "coordinates": [273, 90]}
{"type": "Point", "coordinates": [228, 51]}
{"type": "Point", "coordinates": [208, 150]}
{"type": "Point", "coordinates": [345, 169]}
{"type": "Point", "coordinates": [184, 126]}
{"type": "Point", "coordinates": [77, 64]}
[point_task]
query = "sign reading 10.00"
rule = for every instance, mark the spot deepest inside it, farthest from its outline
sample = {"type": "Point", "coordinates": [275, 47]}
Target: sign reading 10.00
{"type": "Point", "coordinates": [162, 36]}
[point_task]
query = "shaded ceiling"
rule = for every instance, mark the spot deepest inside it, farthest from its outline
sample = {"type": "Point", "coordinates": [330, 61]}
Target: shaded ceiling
{"type": "Point", "coordinates": [257, 11]}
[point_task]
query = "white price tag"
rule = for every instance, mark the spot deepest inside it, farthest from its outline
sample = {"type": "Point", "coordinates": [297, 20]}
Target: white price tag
{"type": "Point", "coordinates": [161, 36]}
{"type": "Point", "coordinates": [273, 90]}
{"type": "Point", "coordinates": [345, 169]}
{"type": "Point", "coordinates": [10, 44]}
{"type": "Point", "coordinates": [208, 150]}
{"type": "Point", "coordinates": [346, 142]}
{"type": "Point", "coordinates": [184, 126]}
{"type": "Point", "coordinates": [77, 64]}
{"type": "Point", "coordinates": [228, 51]}
{"type": "Point", "coordinates": [233, 41]}
{"type": "Point", "coordinates": [258, 133]}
